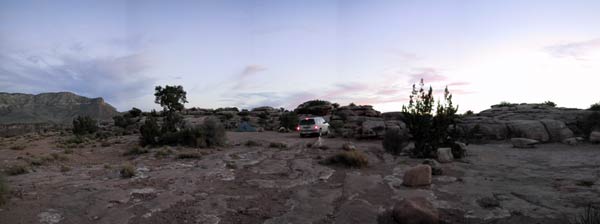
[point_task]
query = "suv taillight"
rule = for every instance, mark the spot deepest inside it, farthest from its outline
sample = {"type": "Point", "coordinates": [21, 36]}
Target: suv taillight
{"type": "Point", "coordinates": [297, 128]}
{"type": "Point", "coordinates": [316, 127]}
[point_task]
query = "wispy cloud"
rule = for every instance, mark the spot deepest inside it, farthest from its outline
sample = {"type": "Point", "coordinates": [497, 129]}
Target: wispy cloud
{"type": "Point", "coordinates": [429, 75]}
{"type": "Point", "coordinates": [578, 50]}
{"type": "Point", "coordinates": [241, 80]}
{"type": "Point", "coordinates": [117, 79]}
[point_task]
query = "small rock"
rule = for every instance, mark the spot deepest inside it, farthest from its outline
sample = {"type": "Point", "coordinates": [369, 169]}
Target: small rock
{"type": "Point", "coordinates": [283, 130]}
{"type": "Point", "coordinates": [415, 211]}
{"type": "Point", "coordinates": [595, 137]}
{"type": "Point", "coordinates": [348, 146]}
{"type": "Point", "coordinates": [436, 169]}
{"type": "Point", "coordinates": [571, 141]}
{"type": "Point", "coordinates": [523, 142]}
{"type": "Point", "coordinates": [444, 155]}
{"type": "Point", "coordinates": [488, 202]}
{"type": "Point", "coordinates": [419, 175]}
{"type": "Point", "coordinates": [50, 216]}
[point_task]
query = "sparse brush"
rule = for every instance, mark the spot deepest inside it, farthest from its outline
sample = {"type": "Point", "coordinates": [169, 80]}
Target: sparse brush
{"type": "Point", "coordinates": [65, 169]}
{"type": "Point", "coordinates": [252, 143]}
{"type": "Point", "coordinates": [127, 171]}
{"type": "Point", "coordinates": [323, 147]}
{"type": "Point", "coordinates": [68, 151]}
{"type": "Point", "coordinates": [591, 215]}
{"type": "Point", "coordinates": [105, 144]}
{"type": "Point", "coordinates": [16, 170]}
{"type": "Point", "coordinates": [192, 155]}
{"type": "Point", "coordinates": [163, 153]}
{"type": "Point", "coordinates": [4, 190]}
{"type": "Point", "coordinates": [352, 158]}
{"type": "Point", "coordinates": [278, 145]}
{"type": "Point", "coordinates": [17, 147]}
{"type": "Point", "coordinates": [136, 151]}
{"type": "Point", "coordinates": [59, 157]}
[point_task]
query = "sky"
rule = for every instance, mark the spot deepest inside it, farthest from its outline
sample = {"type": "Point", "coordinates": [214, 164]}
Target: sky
{"type": "Point", "coordinates": [282, 53]}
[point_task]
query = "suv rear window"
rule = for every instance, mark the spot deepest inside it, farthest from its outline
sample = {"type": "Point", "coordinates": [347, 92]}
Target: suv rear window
{"type": "Point", "coordinates": [307, 121]}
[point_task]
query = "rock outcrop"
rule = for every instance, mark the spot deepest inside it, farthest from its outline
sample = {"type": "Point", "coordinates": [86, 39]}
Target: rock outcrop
{"type": "Point", "coordinates": [534, 121]}
{"type": "Point", "coordinates": [54, 108]}
{"type": "Point", "coordinates": [415, 211]}
{"type": "Point", "coordinates": [363, 122]}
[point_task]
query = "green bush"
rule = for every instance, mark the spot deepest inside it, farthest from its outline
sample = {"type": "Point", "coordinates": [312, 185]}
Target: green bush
{"type": "Point", "coordinates": [213, 133]}
{"type": "Point", "coordinates": [127, 171]}
{"type": "Point", "coordinates": [549, 103]}
{"type": "Point", "coordinates": [595, 107]}
{"type": "Point", "coordinates": [504, 104]}
{"type": "Point", "coordinates": [84, 125]}
{"type": "Point", "coordinates": [173, 122]}
{"type": "Point", "coordinates": [190, 155]}
{"type": "Point", "coordinates": [4, 190]}
{"type": "Point", "coordinates": [16, 170]}
{"type": "Point", "coordinates": [429, 131]}
{"type": "Point", "coordinates": [150, 132]}
{"type": "Point", "coordinates": [289, 120]}
{"type": "Point", "coordinates": [394, 141]}
{"type": "Point", "coordinates": [135, 112]}
{"type": "Point", "coordinates": [352, 158]}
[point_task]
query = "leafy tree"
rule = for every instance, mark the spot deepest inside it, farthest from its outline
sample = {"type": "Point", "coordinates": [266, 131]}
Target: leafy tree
{"type": "Point", "coordinates": [429, 131]}
{"type": "Point", "coordinates": [171, 98]}
{"type": "Point", "coordinates": [84, 125]}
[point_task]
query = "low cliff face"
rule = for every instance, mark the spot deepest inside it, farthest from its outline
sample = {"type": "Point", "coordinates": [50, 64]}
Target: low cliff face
{"type": "Point", "coordinates": [55, 108]}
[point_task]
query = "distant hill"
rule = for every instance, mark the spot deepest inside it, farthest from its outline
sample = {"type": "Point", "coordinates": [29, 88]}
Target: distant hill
{"type": "Point", "coordinates": [56, 108]}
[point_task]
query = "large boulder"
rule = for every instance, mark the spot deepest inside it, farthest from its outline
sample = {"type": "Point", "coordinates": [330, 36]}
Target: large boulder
{"type": "Point", "coordinates": [595, 137]}
{"type": "Point", "coordinates": [417, 176]}
{"type": "Point", "coordinates": [372, 129]}
{"type": "Point", "coordinates": [444, 155]}
{"type": "Point", "coordinates": [415, 211]}
{"type": "Point", "coordinates": [557, 130]}
{"type": "Point", "coordinates": [528, 129]}
{"type": "Point", "coordinates": [315, 107]}
{"type": "Point", "coordinates": [523, 142]}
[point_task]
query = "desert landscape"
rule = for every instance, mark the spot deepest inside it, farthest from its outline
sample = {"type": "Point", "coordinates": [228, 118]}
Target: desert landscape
{"type": "Point", "coordinates": [266, 173]}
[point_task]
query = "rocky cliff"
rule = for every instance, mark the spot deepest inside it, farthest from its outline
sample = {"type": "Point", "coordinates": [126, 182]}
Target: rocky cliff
{"type": "Point", "coordinates": [54, 108]}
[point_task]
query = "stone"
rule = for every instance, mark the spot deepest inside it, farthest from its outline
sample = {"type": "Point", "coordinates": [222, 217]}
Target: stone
{"type": "Point", "coordinates": [459, 149]}
{"type": "Point", "coordinates": [488, 202]}
{"type": "Point", "coordinates": [415, 211]}
{"type": "Point", "coordinates": [373, 129]}
{"type": "Point", "coordinates": [595, 137]}
{"type": "Point", "coordinates": [417, 176]}
{"type": "Point", "coordinates": [444, 155]}
{"type": "Point", "coordinates": [531, 129]}
{"type": "Point", "coordinates": [570, 141]}
{"type": "Point", "coordinates": [523, 142]}
{"type": "Point", "coordinates": [436, 169]}
{"type": "Point", "coordinates": [557, 130]}
{"type": "Point", "coordinates": [283, 130]}
{"type": "Point", "coordinates": [348, 146]}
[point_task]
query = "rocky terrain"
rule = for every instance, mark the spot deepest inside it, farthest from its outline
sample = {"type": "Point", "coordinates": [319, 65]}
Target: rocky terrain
{"type": "Point", "coordinates": [268, 183]}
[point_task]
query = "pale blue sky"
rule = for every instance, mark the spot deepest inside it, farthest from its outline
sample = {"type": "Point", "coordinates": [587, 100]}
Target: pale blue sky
{"type": "Point", "coordinates": [281, 53]}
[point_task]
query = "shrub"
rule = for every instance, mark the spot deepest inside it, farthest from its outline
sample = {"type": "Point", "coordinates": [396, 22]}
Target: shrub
{"type": "Point", "coordinates": [127, 171]}
{"type": "Point", "coordinates": [549, 103]}
{"type": "Point", "coordinates": [16, 170]}
{"type": "Point", "coordinates": [173, 122]}
{"type": "Point", "coordinates": [277, 145]}
{"type": "Point", "coordinates": [252, 143]}
{"type": "Point", "coordinates": [469, 113]}
{"type": "Point", "coordinates": [590, 123]}
{"type": "Point", "coordinates": [504, 104]}
{"type": "Point", "coordinates": [4, 190]}
{"type": "Point", "coordinates": [84, 125]}
{"type": "Point", "coordinates": [429, 131]}
{"type": "Point", "coordinates": [17, 147]}
{"type": "Point", "coordinates": [190, 155]}
{"type": "Point", "coordinates": [163, 153]}
{"type": "Point", "coordinates": [394, 141]}
{"type": "Point", "coordinates": [150, 132]}
{"type": "Point", "coordinates": [591, 215]}
{"type": "Point", "coordinates": [65, 169]}
{"type": "Point", "coordinates": [352, 158]}
{"type": "Point", "coordinates": [136, 151]}
{"type": "Point", "coordinates": [68, 151]}
{"type": "Point", "coordinates": [595, 107]}
{"type": "Point", "coordinates": [123, 121]}
{"type": "Point", "coordinates": [289, 120]}
{"type": "Point", "coordinates": [135, 112]}
{"type": "Point", "coordinates": [214, 132]}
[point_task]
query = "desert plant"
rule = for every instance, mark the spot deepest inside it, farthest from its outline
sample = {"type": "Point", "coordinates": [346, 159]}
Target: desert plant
{"type": "Point", "coordinates": [17, 147]}
{"type": "Point", "coordinates": [189, 155]}
{"type": "Point", "coordinates": [289, 120]}
{"type": "Point", "coordinates": [163, 153]}
{"type": "Point", "coordinates": [591, 215]}
{"type": "Point", "coordinates": [84, 125]}
{"type": "Point", "coordinates": [549, 103]}
{"type": "Point", "coordinates": [136, 150]}
{"type": "Point", "coordinates": [590, 123]}
{"type": "Point", "coordinates": [213, 132]}
{"type": "Point", "coordinates": [150, 132]}
{"type": "Point", "coordinates": [135, 112]}
{"type": "Point", "coordinates": [429, 131]}
{"type": "Point", "coordinates": [4, 190]}
{"type": "Point", "coordinates": [252, 143]}
{"type": "Point", "coordinates": [504, 104]}
{"type": "Point", "coordinates": [469, 113]}
{"type": "Point", "coordinates": [173, 122]}
{"type": "Point", "coordinates": [595, 107]}
{"type": "Point", "coordinates": [395, 140]}
{"type": "Point", "coordinates": [127, 171]}
{"type": "Point", "coordinates": [123, 121]}
{"type": "Point", "coordinates": [171, 98]}
{"type": "Point", "coordinates": [17, 169]}
{"type": "Point", "coordinates": [277, 145]}
{"type": "Point", "coordinates": [352, 158]}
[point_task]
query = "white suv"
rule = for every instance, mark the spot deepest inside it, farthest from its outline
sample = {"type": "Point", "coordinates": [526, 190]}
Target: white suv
{"type": "Point", "coordinates": [312, 126]}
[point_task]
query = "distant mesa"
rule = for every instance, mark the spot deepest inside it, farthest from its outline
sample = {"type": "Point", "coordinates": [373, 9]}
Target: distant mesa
{"type": "Point", "coordinates": [51, 108]}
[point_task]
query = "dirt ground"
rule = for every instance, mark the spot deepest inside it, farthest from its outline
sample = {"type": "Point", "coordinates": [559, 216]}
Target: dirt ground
{"type": "Point", "coordinates": [260, 184]}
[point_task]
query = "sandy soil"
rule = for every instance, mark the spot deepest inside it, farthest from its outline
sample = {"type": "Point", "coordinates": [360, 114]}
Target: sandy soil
{"type": "Point", "coordinates": [241, 184]}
